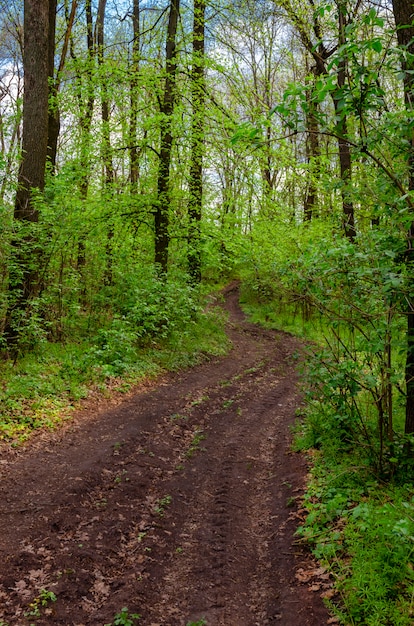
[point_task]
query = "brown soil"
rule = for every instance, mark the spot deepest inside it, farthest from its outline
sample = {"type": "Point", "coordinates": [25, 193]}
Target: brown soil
{"type": "Point", "coordinates": [179, 503]}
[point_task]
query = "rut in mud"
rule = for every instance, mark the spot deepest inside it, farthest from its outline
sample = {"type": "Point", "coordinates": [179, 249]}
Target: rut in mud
{"type": "Point", "coordinates": [179, 503]}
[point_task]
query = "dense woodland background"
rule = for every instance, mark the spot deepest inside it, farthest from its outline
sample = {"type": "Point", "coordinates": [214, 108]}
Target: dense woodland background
{"type": "Point", "coordinates": [152, 150]}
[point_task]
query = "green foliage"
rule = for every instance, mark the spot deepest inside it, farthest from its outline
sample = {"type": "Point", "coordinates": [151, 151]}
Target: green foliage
{"type": "Point", "coordinates": [194, 447]}
{"type": "Point", "coordinates": [350, 299]}
{"type": "Point", "coordinates": [162, 504]}
{"type": "Point", "coordinates": [125, 618]}
{"type": "Point", "coordinates": [43, 386]}
{"type": "Point", "coordinates": [155, 308]}
{"type": "Point", "coordinates": [42, 601]}
{"type": "Point", "coordinates": [364, 533]}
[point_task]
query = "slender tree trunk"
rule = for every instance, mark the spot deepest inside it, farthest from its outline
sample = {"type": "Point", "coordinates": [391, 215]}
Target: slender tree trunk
{"type": "Point", "coordinates": [197, 141]}
{"type": "Point", "coordinates": [133, 122]}
{"type": "Point", "coordinates": [404, 15]}
{"type": "Point", "coordinates": [53, 116]}
{"type": "Point", "coordinates": [86, 109]}
{"type": "Point", "coordinates": [313, 153]}
{"type": "Point", "coordinates": [345, 162]}
{"type": "Point", "coordinates": [166, 142]}
{"type": "Point", "coordinates": [106, 135]}
{"type": "Point", "coordinates": [54, 81]}
{"type": "Point", "coordinates": [106, 139]}
{"type": "Point", "coordinates": [12, 152]}
{"type": "Point", "coordinates": [24, 262]}
{"type": "Point", "coordinates": [321, 55]}
{"type": "Point", "coordinates": [86, 106]}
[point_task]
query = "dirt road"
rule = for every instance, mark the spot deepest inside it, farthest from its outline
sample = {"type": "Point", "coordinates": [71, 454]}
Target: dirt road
{"type": "Point", "coordinates": [179, 503]}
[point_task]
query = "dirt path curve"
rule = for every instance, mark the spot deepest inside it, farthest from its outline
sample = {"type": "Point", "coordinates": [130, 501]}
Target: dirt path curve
{"type": "Point", "coordinates": [178, 503]}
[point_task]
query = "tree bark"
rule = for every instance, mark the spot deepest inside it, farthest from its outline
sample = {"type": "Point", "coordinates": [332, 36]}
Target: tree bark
{"type": "Point", "coordinates": [313, 154]}
{"type": "Point", "coordinates": [161, 220]}
{"type": "Point", "coordinates": [197, 142]}
{"type": "Point", "coordinates": [54, 80]}
{"type": "Point", "coordinates": [86, 108]}
{"type": "Point", "coordinates": [345, 161]}
{"type": "Point", "coordinates": [404, 15]}
{"type": "Point", "coordinates": [53, 116]}
{"type": "Point", "coordinates": [24, 262]}
{"type": "Point", "coordinates": [105, 114]}
{"type": "Point", "coordinates": [133, 121]}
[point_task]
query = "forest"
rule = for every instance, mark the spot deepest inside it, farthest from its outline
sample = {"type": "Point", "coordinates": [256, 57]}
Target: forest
{"type": "Point", "coordinates": [150, 152]}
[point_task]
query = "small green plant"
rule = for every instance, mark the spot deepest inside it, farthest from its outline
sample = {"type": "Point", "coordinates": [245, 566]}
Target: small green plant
{"type": "Point", "coordinates": [195, 444]}
{"type": "Point", "coordinates": [178, 416]}
{"type": "Point", "coordinates": [162, 504]}
{"type": "Point", "coordinates": [120, 476]}
{"type": "Point", "coordinates": [124, 618]}
{"type": "Point", "coordinates": [199, 401]}
{"type": "Point", "coordinates": [40, 602]}
{"type": "Point", "coordinates": [201, 622]}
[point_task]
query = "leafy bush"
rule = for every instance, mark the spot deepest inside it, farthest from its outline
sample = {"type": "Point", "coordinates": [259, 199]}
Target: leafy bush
{"type": "Point", "coordinates": [115, 348]}
{"type": "Point", "coordinates": [157, 308]}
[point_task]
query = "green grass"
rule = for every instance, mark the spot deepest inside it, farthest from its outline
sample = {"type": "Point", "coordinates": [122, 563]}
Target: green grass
{"type": "Point", "coordinates": [283, 316]}
{"type": "Point", "coordinates": [42, 388]}
{"type": "Point", "coordinates": [362, 530]}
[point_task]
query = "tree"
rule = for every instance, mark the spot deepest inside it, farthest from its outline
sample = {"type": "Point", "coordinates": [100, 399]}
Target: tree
{"type": "Point", "coordinates": [404, 15]}
{"type": "Point", "coordinates": [198, 86]}
{"type": "Point", "coordinates": [306, 21]}
{"type": "Point", "coordinates": [167, 104]}
{"type": "Point", "coordinates": [313, 154]}
{"type": "Point", "coordinates": [24, 264]}
{"type": "Point", "coordinates": [106, 138]}
{"type": "Point", "coordinates": [55, 78]}
{"type": "Point", "coordinates": [134, 84]}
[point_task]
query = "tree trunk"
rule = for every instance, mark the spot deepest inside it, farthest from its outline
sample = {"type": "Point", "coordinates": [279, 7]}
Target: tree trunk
{"type": "Point", "coordinates": [404, 15]}
{"type": "Point", "coordinates": [54, 81]}
{"type": "Point", "coordinates": [197, 142]}
{"type": "Point", "coordinates": [166, 142]}
{"type": "Point", "coordinates": [85, 121]}
{"type": "Point", "coordinates": [106, 133]}
{"type": "Point", "coordinates": [24, 262]}
{"type": "Point", "coordinates": [345, 162]}
{"type": "Point", "coordinates": [53, 116]}
{"type": "Point", "coordinates": [320, 56]}
{"type": "Point", "coordinates": [133, 120]}
{"type": "Point", "coordinates": [106, 140]}
{"type": "Point", "coordinates": [313, 153]}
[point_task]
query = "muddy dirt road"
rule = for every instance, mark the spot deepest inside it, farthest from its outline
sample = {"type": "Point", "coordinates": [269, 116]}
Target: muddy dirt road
{"type": "Point", "coordinates": [178, 503]}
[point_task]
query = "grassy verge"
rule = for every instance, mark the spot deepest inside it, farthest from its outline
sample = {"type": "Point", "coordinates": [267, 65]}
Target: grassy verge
{"type": "Point", "coordinates": [359, 524]}
{"type": "Point", "coordinates": [362, 530]}
{"type": "Point", "coordinates": [42, 388]}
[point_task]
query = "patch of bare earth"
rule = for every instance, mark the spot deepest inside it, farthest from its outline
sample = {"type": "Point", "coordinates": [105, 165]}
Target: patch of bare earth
{"type": "Point", "coordinates": [179, 503]}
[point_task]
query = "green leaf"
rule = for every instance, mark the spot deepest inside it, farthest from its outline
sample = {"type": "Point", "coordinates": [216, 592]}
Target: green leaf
{"type": "Point", "coordinates": [376, 45]}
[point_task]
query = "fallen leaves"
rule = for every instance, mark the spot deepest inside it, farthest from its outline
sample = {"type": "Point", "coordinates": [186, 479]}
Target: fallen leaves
{"type": "Point", "coordinates": [319, 579]}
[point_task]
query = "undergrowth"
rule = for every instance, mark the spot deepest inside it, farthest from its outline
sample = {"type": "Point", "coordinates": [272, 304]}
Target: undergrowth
{"type": "Point", "coordinates": [359, 503]}
{"type": "Point", "coordinates": [43, 386]}
{"type": "Point", "coordinates": [363, 530]}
